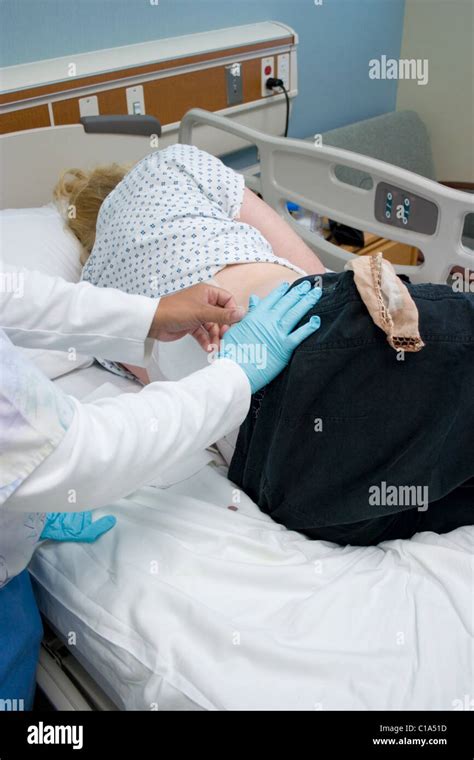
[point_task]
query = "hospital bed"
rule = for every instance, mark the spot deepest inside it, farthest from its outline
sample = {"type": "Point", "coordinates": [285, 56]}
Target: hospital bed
{"type": "Point", "coordinates": [392, 202]}
{"type": "Point", "coordinates": [198, 601]}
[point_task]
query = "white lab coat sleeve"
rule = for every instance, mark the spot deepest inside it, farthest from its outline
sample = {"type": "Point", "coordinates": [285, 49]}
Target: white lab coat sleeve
{"type": "Point", "coordinates": [115, 446]}
{"type": "Point", "coordinates": [48, 312]}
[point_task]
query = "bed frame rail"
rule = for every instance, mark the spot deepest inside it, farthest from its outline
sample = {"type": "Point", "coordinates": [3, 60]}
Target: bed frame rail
{"type": "Point", "coordinates": [307, 174]}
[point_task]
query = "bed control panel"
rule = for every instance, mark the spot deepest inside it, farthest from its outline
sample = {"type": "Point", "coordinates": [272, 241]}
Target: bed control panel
{"type": "Point", "coordinates": [400, 208]}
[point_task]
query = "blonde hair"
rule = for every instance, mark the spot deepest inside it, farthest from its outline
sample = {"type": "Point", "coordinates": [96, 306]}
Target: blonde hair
{"type": "Point", "coordinates": [84, 192]}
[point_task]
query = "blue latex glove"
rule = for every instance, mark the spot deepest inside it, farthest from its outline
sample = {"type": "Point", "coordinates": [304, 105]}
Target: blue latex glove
{"type": "Point", "coordinates": [75, 526]}
{"type": "Point", "coordinates": [263, 342]}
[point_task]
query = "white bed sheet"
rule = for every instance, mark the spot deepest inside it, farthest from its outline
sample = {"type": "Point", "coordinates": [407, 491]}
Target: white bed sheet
{"type": "Point", "coordinates": [187, 604]}
{"type": "Point", "coordinates": [94, 382]}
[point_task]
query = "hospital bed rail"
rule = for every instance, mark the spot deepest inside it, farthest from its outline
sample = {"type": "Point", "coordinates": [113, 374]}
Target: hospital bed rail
{"type": "Point", "coordinates": [295, 170]}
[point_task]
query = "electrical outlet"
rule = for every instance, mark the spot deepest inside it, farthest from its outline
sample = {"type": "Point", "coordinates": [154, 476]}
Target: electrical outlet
{"type": "Point", "coordinates": [135, 100]}
{"type": "Point", "coordinates": [268, 70]}
{"type": "Point", "coordinates": [283, 69]}
{"type": "Point", "coordinates": [89, 106]}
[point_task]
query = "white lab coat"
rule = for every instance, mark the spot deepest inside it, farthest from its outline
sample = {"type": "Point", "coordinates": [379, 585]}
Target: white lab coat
{"type": "Point", "coordinates": [114, 446]}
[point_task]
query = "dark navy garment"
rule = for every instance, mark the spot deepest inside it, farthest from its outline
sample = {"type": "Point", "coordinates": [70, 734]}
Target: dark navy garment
{"type": "Point", "coordinates": [20, 639]}
{"type": "Point", "coordinates": [350, 420]}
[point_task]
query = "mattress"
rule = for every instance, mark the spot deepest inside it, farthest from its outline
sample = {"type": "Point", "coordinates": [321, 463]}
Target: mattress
{"type": "Point", "coordinates": [198, 601]}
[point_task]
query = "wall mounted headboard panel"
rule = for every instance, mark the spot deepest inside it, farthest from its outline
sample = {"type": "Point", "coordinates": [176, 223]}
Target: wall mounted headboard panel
{"type": "Point", "coordinates": [176, 74]}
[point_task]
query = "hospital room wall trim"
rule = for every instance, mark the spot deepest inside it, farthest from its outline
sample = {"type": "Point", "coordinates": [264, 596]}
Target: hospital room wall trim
{"type": "Point", "coordinates": [172, 84]}
{"type": "Point", "coordinates": [72, 83]}
{"type": "Point", "coordinates": [81, 89]}
{"type": "Point", "coordinates": [167, 96]}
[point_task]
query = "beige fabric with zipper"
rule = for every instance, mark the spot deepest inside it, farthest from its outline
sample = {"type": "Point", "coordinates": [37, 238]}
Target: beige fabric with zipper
{"type": "Point", "coordinates": [387, 300]}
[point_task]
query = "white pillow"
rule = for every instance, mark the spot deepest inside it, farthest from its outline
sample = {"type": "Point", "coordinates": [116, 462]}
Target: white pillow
{"type": "Point", "coordinates": [38, 239]}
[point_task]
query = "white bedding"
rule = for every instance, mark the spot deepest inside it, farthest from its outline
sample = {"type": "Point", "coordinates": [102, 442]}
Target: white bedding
{"type": "Point", "coordinates": [187, 604]}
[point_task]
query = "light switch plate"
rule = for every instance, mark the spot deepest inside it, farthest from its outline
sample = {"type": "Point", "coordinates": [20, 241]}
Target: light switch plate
{"type": "Point", "coordinates": [89, 106]}
{"type": "Point", "coordinates": [135, 100]}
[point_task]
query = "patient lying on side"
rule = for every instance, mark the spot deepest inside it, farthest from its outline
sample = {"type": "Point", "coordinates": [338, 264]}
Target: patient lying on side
{"type": "Point", "coordinates": [180, 217]}
{"type": "Point", "coordinates": [349, 421]}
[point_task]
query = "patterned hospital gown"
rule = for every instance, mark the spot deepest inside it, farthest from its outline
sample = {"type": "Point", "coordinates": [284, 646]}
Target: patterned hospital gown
{"type": "Point", "coordinates": [170, 223]}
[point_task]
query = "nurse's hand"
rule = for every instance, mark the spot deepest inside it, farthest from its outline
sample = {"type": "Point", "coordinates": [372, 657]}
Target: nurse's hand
{"type": "Point", "coordinates": [263, 342]}
{"type": "Point", "coordinates": [203, 311]}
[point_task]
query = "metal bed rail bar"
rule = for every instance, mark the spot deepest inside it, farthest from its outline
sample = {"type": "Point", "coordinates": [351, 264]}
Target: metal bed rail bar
{"type": "Point", "coordinates": [399, 205]}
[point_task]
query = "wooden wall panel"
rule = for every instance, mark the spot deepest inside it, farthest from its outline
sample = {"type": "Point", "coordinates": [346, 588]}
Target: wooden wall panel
{"type": "Point", "coordinates": [251, 88]}
{"type": "Point", "coordinates": [170, 97]}
{"type": "Point", "coordinates": [26, 118]}
{"type": "Point", "coordinates": [110, 102]}
{"type": "Point", "coordinates": [113, 101]}
{"type": "Point", "coordinates": [66, 111]}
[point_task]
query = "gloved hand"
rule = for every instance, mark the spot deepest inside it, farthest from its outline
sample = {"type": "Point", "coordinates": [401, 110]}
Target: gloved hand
{"type": "Point", "coordinates": [262, 343]}
{"type": "Point", "coordinates": [75, 526]}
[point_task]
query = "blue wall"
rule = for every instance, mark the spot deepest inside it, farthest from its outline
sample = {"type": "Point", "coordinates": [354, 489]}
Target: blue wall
{"type": "Point", "coordinates": [337, 40]}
